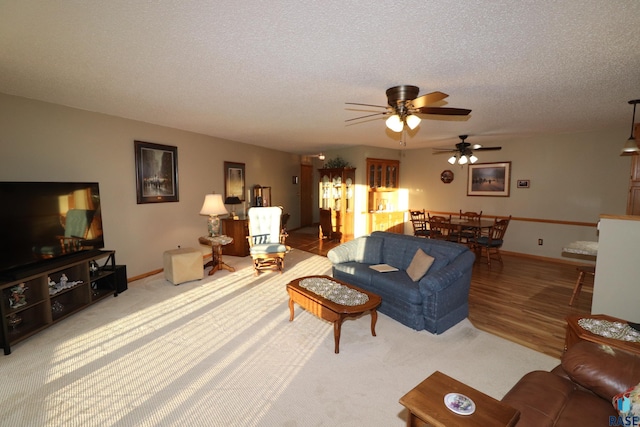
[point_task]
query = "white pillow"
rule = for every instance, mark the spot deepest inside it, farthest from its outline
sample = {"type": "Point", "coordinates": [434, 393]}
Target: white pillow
{"type": "Point", "coordinates": [419, 265]}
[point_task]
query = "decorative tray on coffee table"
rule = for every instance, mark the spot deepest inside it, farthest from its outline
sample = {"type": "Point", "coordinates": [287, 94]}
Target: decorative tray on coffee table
{"type": "Point", "coordinates": [459, 403]}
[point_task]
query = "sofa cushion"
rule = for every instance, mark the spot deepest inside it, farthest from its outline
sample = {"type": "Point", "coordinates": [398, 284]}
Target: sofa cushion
{"type": "Point", "coordinates": [628, 402]}
{"type": "Point", "coordinates": [397, 283]}
{"type": "Point", "coordinates": [419, 265]}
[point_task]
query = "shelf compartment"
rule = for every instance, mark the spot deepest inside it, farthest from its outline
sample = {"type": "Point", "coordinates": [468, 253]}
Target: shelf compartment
{"type": "Point", "coordinates": [33, 319]}
{"type": "Point", "coordinates": [69, 301]}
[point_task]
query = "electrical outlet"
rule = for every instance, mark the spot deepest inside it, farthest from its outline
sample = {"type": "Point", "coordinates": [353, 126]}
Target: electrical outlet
{"type": "Point", "coordinates": [539, 242]}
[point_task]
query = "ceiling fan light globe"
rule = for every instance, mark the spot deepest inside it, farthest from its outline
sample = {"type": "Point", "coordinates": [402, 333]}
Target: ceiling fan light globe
{"type": "Point", "coordinates": [631, 146]}
{"type": "Point", "coordinates": [476, 146]}
{"type": "Point", "coordinates": [452, 160]}
{"type": "Point", "coordinates": [394, 123]}
{"type": "Point", "coordinates": [473, 159]}
{"type": "Point", "coordinates": [413, 121]}
{"type": "Point", "coordinates": [463, 160]}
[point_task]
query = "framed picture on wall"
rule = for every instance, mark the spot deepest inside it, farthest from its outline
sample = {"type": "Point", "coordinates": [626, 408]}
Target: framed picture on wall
{"type": "Point", "coordinates": [489, 179]}
{"type": "Point", "coordinates": [156, 172]}
{"type": "Point", "coordinates": [234, 180]}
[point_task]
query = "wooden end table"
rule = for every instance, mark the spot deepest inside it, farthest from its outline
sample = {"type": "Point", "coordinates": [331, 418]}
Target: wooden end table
{"type": "Point", "coordinates": [216, 243]}
{"type": "Point", "coordinates": [576, 333]}
{"type": "Point", "coordinates": [329, 310]}
{"type": "Point", "coordinates": [426, 405]}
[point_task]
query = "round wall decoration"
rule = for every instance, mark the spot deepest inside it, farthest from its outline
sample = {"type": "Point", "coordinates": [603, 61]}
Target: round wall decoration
{"type": "Point", "coordinates": [446, 176]}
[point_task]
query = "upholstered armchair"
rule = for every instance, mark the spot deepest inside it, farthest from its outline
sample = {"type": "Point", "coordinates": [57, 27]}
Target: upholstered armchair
{"type": "Point", "coordinates": [266, 238]}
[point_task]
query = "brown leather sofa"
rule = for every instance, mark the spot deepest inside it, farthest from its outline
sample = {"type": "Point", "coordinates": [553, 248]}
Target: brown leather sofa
{"type": "Point", "coordinates": [578, 392]}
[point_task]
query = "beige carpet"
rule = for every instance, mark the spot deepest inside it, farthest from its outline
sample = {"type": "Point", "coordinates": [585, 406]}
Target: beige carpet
{"type": "Point", "coordinates": [222, 352]}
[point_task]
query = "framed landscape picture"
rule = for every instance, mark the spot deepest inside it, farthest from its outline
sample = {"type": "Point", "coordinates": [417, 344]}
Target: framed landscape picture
{"type": "Point", "coordinates": [156, 172]}
{"type": "Point", "coordinates": [489, 179]}
{"type": "Point", "coordinates": [234, 180]}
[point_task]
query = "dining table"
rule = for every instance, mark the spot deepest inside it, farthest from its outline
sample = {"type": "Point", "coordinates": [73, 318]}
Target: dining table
{"type": "Point", "coordinates": [474, 225]}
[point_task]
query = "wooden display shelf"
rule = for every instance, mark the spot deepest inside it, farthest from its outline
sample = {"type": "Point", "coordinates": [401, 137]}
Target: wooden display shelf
{"type": "Point", "coordinates": [43, 308]}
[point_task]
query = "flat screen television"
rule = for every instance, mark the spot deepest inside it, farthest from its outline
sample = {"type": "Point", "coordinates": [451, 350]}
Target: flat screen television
{"type": "Point", "coordinates": [42, 222]}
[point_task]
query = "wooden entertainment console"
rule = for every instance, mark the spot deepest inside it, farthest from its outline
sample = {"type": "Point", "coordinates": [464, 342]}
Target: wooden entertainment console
{"type": "Point", "coordinates": [41, 296]}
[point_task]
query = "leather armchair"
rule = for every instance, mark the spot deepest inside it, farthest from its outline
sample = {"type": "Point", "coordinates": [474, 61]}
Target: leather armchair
{"type": "Point", "coordinates": [579, 391]}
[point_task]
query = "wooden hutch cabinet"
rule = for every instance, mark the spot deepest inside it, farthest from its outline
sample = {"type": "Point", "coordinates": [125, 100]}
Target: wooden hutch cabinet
{"type": "Point", "coordinates": [633, 201]}
{"type": "Point", "coordinates": [382, 196]}
{"type": "Point", "coordinates": [337, 190]}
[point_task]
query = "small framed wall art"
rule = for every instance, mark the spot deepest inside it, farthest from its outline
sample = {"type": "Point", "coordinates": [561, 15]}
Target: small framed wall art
{"type": "Point", "coordinates": [156, 172]}
{"type": "Point", "coordinates": [234, 180]}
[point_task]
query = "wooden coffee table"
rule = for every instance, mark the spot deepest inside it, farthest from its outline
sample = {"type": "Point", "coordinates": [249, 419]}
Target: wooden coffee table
{"type": "Point", "coordinates": [329, 310]}
{"type": "Point", "coordinates": [426, 405]}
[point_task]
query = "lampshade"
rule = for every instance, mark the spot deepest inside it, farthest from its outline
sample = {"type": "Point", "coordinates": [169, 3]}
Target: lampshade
{"type": "Point", "coordinates": [413, 121]}
{"type": "Point", "coordinates": [463, 160]}
{"type": "Point", "coordinates": [233, 200]}
{"type": "Point", "coordinates": [394, 123]}
{"type": "Point", "coordinates": [452, 160]}
{"type": "Point", "coordinates": [321, 156]}
{"type": "Point", "coordinates": [631, 146]}
{"type": "Point", "coordinates": [213, 205]}
{"type": "Point", "coordinates": [473, 159]}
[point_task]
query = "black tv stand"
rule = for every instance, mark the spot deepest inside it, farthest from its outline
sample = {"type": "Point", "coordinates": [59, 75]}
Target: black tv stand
{"type": "Point", "coordinates": [35, 298]}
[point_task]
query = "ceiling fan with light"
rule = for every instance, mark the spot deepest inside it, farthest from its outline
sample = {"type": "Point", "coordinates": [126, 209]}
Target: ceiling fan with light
{"type": "Point", "coordinates": [463, 153]}
{"type": "Point", "coordinates": [404, 107]}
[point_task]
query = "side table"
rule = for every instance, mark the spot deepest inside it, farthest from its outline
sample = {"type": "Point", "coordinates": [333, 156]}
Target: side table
{"type": "Point", "coordinates": [216, 243]}
{"type": "Point", "coordinates": [576, 333]}
{"type": "Point", "coordinates": [426, 404]}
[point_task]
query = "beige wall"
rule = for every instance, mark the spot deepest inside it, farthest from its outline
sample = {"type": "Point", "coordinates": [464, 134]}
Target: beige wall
{"type": "Point", "coordinates": [47, 142]}
{"type": "Point", "coordinates": [574, 177]}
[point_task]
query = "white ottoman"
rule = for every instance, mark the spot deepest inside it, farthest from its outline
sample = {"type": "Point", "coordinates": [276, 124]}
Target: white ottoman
{"type": "Point", "coordinates": [182, 265]}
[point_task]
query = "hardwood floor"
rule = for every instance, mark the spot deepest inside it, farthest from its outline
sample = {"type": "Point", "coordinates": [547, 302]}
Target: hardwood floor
{"type": "Point", "coordinates": [524, 300]}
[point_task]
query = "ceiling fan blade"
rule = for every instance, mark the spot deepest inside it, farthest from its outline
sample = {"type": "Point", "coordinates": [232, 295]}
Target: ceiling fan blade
{"type": "Point", "coordinates": [427, 99]}
{"type": "Point", "coordinates": [366, 105]}
{"type": "Point", "coordinates": [444, 151]}
{"type": "Point", "coordinates": [445, 111]}
{"type": "Point", "coordinates": [368, 115]}
{"type": "Point", "coordinates": [487, 148]}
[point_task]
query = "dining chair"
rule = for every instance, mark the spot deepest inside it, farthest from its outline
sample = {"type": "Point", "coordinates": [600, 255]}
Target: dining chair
{"type": "Point", "coordinates": [466, 234]}
{"type": "Point", "coordinates": [326, 228]}
{"type": "Point", "coordinates": [419, 223]}
{"type": "Point", "coordinates": [492, 242]}
{"type": "Point", "coordinates": [439, 227]}
{"type": "Point", "coordinates": [583, 270]}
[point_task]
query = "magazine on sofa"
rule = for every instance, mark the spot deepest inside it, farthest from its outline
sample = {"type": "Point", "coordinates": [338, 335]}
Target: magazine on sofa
{"type": "Point", "coordinates": [383, 268]}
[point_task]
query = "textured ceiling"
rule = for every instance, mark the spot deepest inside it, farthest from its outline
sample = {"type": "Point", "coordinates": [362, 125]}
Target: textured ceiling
{"type": "Point", "coordinates": [278, 73]}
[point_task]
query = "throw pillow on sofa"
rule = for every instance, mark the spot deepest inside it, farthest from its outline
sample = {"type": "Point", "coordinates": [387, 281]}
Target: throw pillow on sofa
{"type": "Point", "coordinates": [419, 266]}
{"type": "Point", "coordinates": [628, 402]}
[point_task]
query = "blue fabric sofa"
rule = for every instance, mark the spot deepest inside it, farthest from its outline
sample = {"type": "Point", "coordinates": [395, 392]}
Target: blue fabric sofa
{"type": "Point", "coordinates": [436, 302]}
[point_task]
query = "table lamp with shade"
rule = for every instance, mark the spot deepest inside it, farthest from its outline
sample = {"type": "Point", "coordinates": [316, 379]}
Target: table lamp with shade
{"type": "Point", "coordinates": [213, 206]}
{"type": "Point", "coordinates": [233, 201]}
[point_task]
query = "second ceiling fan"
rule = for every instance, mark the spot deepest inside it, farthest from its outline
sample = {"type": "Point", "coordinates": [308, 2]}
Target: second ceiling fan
{"type": "Point", "coordinates": [404, 107]}
{"type": "Point", "coordinates": [463, 153]}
